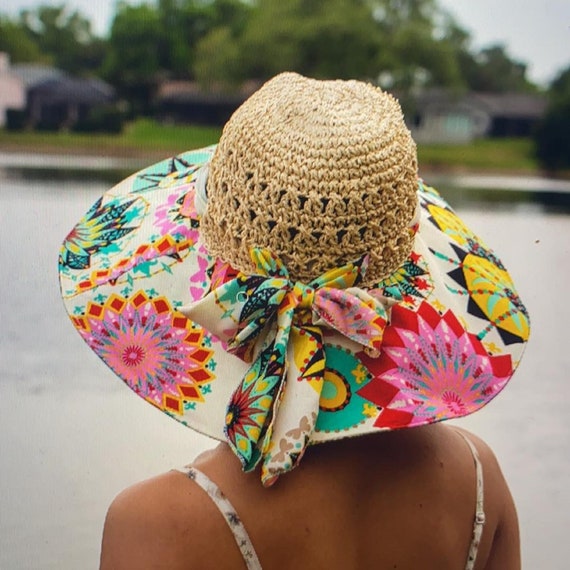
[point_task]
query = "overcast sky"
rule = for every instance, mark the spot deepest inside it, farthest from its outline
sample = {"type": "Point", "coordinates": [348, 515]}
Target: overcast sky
{"type": "Point", "coordinates": [536, 32]}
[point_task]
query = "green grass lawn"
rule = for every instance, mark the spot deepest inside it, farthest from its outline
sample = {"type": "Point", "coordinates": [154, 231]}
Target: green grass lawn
{"type": "Point", "coordinates": [139, 138]}
{"type": "Point", "coordinates": [148, 134]}
{"type": "Point", "coordinates": [144, 137]}
{"type": "Point", "coordinates": [485, 154]}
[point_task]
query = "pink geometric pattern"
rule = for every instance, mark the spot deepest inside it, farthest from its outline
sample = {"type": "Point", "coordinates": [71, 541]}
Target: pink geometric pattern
{"type": "Point", "coordinates": [154, 349]}
{"type": "Point", "coordinates": [431, 369]}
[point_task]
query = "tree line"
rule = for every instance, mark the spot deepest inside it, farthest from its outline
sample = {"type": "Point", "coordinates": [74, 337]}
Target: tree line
{"type": "Point", "coordinates": [401, 45]}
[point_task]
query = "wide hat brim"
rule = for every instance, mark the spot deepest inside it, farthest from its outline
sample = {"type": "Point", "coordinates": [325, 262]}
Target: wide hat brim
{"type": "Point", "coordinates": [455, 334]}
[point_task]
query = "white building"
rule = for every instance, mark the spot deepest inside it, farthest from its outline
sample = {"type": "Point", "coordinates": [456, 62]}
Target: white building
{"type": "Point", "coordinates": [12, 89]}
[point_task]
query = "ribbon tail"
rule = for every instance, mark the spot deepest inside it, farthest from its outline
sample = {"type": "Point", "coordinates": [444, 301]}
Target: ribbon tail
{"type": "Point", "coordinates": [254, 404]}
{"type": "Point", "coordinates": [250, 406]}
{"type": "Point", "coordinates": [299, 400]}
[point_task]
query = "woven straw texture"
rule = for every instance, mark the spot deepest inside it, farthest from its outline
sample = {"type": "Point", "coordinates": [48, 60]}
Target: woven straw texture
{"type": "Point", "coordinates": [319, 173]}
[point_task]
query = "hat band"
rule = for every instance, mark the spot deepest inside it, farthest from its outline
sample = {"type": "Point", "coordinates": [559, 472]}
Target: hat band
{"type": "Point", "coordinates": [265, 318]}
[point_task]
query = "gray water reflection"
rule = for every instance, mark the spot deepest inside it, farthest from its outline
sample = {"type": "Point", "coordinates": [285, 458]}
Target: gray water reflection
{"type": "Point", "coordinates": [71, 436]}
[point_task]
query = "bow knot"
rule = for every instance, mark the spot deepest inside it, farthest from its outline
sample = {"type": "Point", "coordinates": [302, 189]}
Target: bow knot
{"type": "Point", "coordinates": [277, 325]}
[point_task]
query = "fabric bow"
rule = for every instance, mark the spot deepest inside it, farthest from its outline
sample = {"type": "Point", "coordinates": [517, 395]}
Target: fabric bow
{"type": "Point", "coordinates": [276, 324]}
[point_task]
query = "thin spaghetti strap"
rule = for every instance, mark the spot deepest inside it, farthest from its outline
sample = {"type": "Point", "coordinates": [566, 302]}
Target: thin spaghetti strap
{"type": "Point", "coordinates": [230, 516]}
{"type": "Point", "coordinates": [479, 519]}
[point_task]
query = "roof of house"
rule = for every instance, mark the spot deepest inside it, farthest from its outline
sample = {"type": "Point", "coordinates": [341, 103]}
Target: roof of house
{"type": "Point", "coordinates": [511, 104]}
{"type": "Point", "coordinates": [74, 90]}
{"type": "Point", "coordinates": [193, 92]}
{"type": "Point", "coordinates": [33, 74]}
{"type": "Point", "coordinates": [506, 105]}
{"type": "Point", "coordinates": [59, 86]}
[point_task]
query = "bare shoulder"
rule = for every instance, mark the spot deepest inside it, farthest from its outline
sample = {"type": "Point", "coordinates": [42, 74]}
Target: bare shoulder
{"type": "Point", "coordinates": [164, 522]}
{"type": "Point", "coordinates": [504, 552]}
{"type": "Point", "coordinates": [496, 486]}
{"type": "Point", "coordinates": [488, 458]}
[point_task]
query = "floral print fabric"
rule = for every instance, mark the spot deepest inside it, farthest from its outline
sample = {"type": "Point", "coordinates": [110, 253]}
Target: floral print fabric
{"type": "Point", "coordinates": [271, 365]}
{"type": "Point", "coordinates": [276, 324]}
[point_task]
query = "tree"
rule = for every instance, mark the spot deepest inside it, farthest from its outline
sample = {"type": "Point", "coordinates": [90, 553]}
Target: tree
{"type": "Point", "coordinates": [16, 42]}
{"type": "Point", "coordinates": [559, 90]}
{"type": "Point", "coordinates": [552, 140]}
{"type": "Point", "coordinates": [410, 42]}
{"type": "Point", "coordinates": [218, 60]}
{"type": "Point", "coordinates": [64, 37]}
{"type": "Point", "coordinates": [182, 24]}
{"type": "Point", "coordinates": [132, 62]}
{"type": "Point", "coordinates": [418, 44]}
{"type": "Point", "coordinates": [215, 27]}
{"type": "Point", "coordinates": [493, 70]}
{"type": "Point", "coordinates": [315, 37]}
{"type": "Point", "coordinates": [151, 43]}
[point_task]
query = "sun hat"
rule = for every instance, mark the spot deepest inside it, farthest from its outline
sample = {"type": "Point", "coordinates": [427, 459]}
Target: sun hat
{"type": "Point", "coordinates": [295, 284]}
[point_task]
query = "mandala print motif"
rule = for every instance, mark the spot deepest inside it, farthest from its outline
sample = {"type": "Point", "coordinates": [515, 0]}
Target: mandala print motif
{"type": "Point", "coordinates": [146, 260]}
{"type": "Point", "coordinates": [411, 281]}
{"type": "Point", "coordinates": [431, 369]}
{"type": "Point", "coordinates": [344, 376]}
{"type": "Point", "coordinates": [492, 296]}
{"type": "Point", "coordinates": [177, 214]}
{"type": "Point", "coordinates": [178, 234]}
{"type": "Point", "coordinates": [447, 221]}
{"type": "Point", "coordinates": [173, 172]}
{"type": "Point", "coordinates": [103, 225]}
{"type": "Point", "coordinates": [156, 351]}
{"type": "Point", "coordinates": [249, 411]}
{"type": "Point", "coordinates": [200, 279]}
{"type": "Point", "coordinates": [482, 276]}
{"type": "Point", "coordinates": [308, 353]}
{"type": "Point", "coordinates": [220, 273]}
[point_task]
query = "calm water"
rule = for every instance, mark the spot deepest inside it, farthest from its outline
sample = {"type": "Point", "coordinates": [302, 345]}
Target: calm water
{"type": "Point", "coordinates": [71, 436]}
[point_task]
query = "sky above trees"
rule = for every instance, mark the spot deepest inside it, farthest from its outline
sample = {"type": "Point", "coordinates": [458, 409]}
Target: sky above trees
{"type": "Point", "coordinates": [536, 32]}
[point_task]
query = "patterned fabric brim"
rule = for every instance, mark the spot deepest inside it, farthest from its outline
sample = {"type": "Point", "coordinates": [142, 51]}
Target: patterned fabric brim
{"type": "Point", "coordinates": [437, 339]}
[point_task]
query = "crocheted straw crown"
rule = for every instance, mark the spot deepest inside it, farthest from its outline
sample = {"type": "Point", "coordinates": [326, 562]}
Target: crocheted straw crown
{"type": "Point", "coordinates": [318, 172]}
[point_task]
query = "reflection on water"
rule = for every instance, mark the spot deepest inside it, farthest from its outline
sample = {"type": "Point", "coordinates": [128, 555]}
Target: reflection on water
{"type": "Point", "coordinates": [71, 436]}
{"type": "Point", "coordinates": [501, 199]}
{"type": "Point", "coordinates": [62, 162]}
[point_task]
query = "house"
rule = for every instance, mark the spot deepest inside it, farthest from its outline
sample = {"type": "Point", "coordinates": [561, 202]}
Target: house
{"type": "Point", "coordinates": [511, 114]}
{"type": "Point", "coordinates": [65, 101]}
{"type": "Point", "coordinates": [55, 100]}
{"type": "Point", "coordinates": [440, 116]}
{"type": "Point", "coordinates": [187, 102]}
{"type": "Point", "coordinates": [12, 91]}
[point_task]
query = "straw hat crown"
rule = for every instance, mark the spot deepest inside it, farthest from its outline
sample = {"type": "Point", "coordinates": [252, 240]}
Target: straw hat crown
{"type": "Point", "coordinates": [318, 172]}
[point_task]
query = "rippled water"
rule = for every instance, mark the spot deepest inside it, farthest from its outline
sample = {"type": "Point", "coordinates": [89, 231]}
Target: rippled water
{"type": "Point", "coordinates": [71, 436]}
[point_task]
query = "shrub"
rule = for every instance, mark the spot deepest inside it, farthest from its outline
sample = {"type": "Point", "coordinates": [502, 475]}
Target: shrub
{"type": "Point", "coordinates": [15, 119]}
{"type": "Point", "coordinates": [108, 119]}
{"type": "Point", "coordinates": [552, 135]}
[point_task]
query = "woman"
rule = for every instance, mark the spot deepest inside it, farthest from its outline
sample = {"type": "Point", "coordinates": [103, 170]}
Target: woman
{"type": "Point", "coordinates": [298, 285]}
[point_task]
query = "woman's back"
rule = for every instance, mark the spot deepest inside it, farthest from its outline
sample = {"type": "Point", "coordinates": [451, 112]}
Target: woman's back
{"type": "Point", "coordinates": [403, 499]}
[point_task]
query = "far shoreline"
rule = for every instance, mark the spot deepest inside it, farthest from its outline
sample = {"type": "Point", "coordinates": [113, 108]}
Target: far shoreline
{"type": "Point", "coordinates": [491, 163]}
{"type": "Point", "coordinates": [146, 156]}
{"type": "Point", "coordinates": [145, 141]}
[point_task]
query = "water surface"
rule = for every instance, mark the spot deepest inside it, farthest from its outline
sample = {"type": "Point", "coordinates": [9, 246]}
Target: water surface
{"type": "Point", "coordinates": [72, 436]}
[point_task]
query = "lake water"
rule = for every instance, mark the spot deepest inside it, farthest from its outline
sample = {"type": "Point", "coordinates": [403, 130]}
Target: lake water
{"type": "Point", "coordinates": [71, 436]}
